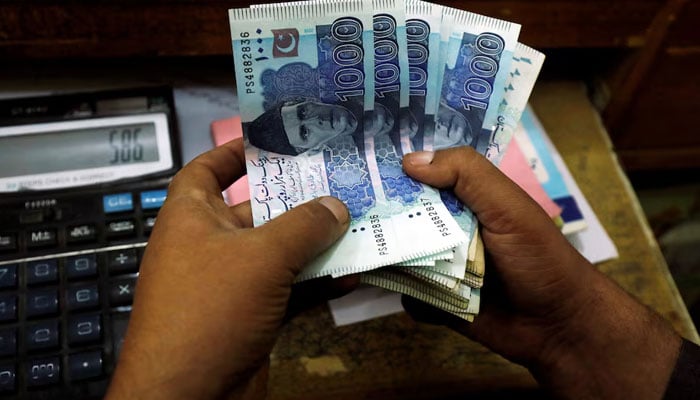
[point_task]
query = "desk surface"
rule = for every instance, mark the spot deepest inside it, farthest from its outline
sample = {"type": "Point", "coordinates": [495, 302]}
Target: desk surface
{"type": "Point", "coordinates": [394, 357]}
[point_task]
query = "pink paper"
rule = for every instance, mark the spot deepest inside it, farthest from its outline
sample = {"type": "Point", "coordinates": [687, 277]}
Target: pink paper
{"type": "Point", "coordinates": [515, 166]}
{"type": "Point", "coordinates": [223, 131]}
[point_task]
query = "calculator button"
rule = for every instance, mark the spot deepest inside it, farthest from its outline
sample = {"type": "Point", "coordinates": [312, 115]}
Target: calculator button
{"type": "Point", "coordinates": [83, 266]}
{"type": "Point", "coordinates": [148, 224]}
{"type": "Point", "coordinates": [121, 292]}
{"type": "Point", "coordinates": [8, 342]}
{"type": "Point", "coordinates": [43, 271]}
{"type": "Point", "coordinates": [31, 217]}
{"type": "Point", "coordinates": [153, 199]}
{"type": "Point", "coordinates": [122, 261]}
{"type": "Point", "coordinates": [81, 233]}
{"type": "Point", "coordinates": [119, 202]}
{"type": "Point", "coordinates": [125, 227]}
{"type": "Point", "coordinates": [44, 371]}
{"type": "Point", "coordinates": [82, 297]}
{"type": "Point", "coordinates": [42, 302]}
{"type": "Point", "coordinates": [85, 365]}
{"type": "Point", "coordinates": [41, 238]}
{"type": "Point", "coordinates": [8, 242]}
{"type": "Point", "coordinates": [8, 308]}
{"type": "Point", "coordinates": [42, 335]}
{"type": "Point", "coordinates": [8, 378]}
{"type": "Point", "coordinates": [8, 276]}
{"type": "Point", "coordinates": [84, 329]}
{"type": "Point", "coordinates": [119, 324]}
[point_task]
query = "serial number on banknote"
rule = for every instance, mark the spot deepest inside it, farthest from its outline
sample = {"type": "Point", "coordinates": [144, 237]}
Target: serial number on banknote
{"type": "Point", "coordinates": [435, 217]}
{"type": "Point", "coordinates": [378, 232]}
{"type": "Point", "coordinates": [247, 56]}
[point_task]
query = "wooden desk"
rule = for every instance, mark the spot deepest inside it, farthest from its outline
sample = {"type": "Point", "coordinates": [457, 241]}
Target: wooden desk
{"type": "Point", "coordinates": [394, 357]}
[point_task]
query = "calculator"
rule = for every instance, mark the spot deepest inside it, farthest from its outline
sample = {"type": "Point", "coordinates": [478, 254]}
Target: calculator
{"type": "Point", "coordinates": [82, 177]}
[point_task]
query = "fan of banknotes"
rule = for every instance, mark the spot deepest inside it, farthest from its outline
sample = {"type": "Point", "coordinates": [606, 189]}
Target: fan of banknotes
{"type": "Point", "coordinates": [333, 93]}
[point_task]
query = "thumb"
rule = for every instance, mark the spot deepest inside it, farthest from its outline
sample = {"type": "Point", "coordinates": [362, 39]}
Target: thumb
{"type": "Point", "coordinates": [298, 236]}
{"type": "Point", "coordinates": [499, 204]}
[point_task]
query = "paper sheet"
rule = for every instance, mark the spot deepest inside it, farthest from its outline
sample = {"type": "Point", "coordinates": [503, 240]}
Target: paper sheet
{"type": "Point", "coordinates": [594, 243]}
{"type": "Point", "coordinates": [515, 166]}
{"type": "Point", "coordinates": [222, 131]}
{"type": "Point", "coordinates": [365, 303]}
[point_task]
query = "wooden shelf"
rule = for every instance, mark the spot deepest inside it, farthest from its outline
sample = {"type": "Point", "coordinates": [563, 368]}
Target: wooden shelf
{"type": "Point", "coordinates": [49, 29]}
{"type": "Point", "coordinates": [652, 96]}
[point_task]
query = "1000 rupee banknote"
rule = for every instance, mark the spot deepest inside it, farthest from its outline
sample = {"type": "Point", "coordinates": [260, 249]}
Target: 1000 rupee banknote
{"type": "Point", "coordinates": [462, 301]}
{"type": "Point", "coordinates": [401, 282]}
{"type": "Point", "coordinates": [300, 74]}
{"type": "Point", "coordinates": [526, 66]}
{"type": "Point", "coordinates": [479, 53]}
{"type": "Point", "coordinates": [474, 64]}
{"type": "Point", "coordinates": [423, 22]}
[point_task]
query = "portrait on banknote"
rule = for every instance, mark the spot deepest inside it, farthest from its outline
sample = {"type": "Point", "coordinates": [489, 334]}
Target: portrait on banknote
{"type": "Point", "coordinates": [451, 129]}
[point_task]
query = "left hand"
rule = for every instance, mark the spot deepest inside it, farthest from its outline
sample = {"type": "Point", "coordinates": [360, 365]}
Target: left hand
{"type": "Point", "coordinates": [213, 291]}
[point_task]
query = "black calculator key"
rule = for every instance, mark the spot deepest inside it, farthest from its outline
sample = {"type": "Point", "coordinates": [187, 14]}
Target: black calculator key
{"type": "Point", "coordinates": [43, 271]}
{"type": "Point", "coordinates": [44, 371]}
{"type": "Point", "coordinates": [8, 308]}
{"type": "Point", "coordinates": [149, 223]}
{"type": "Point", "coordinates": [85, 365]}
{"type": "Point", "coordinates": [8, 342]}
{"type": "Point", "coordinates": [82, 297]}
{"type": "Point", "coordinates": [81, 233]}
{"type": "Point", "coordinates": [42, 302]}
{"type": "Point", "coordinates": [8, 378]}
{"type": "Point", "coordinates": [42, 238]}
{"type": "Point", "coordinates": [124, 227]}
{"type": "Point", "coordinates": [8, 242]}
{"type": "Point", "coordinates": [121, 292]}
{"type": "Point", "coordinates": [84, 329]}
{"type": "Point", "coordinates": [42, 335]}
{"type": "Point", "coordinates": [31, 217]}
{"type": "Point", "coordinates": [119, 323]}
{"type": "Point", "coordinates": [123, 261]}
{"type": "Point", "coordinates": [8, 276]}
{"type": "Point", "coordinates": [83, 266]}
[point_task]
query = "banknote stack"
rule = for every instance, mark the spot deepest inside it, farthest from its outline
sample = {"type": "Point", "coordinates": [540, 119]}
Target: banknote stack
{"type": "Point", "coordinates": [333, 93]}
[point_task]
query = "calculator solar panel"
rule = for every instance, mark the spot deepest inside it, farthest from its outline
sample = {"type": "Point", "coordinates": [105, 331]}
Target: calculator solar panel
{"type": "Point", "coordinates": [70, 254]}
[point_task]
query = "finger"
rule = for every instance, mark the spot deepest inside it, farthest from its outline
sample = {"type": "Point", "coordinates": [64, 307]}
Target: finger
{"type": "Point", "coordinates": [211, 172]}
{"type": "Point", "coordinates": [483, 328]}
{"type": "Point", "coordinates": [308, 294]}
{"type": "Point", "coordinates": [242, 215]}
{"type": "Point", "coordinates": [491, 195]}
{"type": "Point", "coordinates": [301, 234]}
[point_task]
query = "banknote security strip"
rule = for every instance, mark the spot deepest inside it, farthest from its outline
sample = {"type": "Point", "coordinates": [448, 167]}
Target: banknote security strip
{"type": "Point", "coordinates": [333, 94]}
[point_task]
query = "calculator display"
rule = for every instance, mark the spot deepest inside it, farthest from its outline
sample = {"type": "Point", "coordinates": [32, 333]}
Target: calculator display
{"type": "Point", "coordinates": [82, 152]}
{"type": "Point", "coordinates": [78, 149]}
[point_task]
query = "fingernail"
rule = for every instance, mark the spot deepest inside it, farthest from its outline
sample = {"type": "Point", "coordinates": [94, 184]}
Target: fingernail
{"type": "Point", "coordinates": [420, 157]}
{"type": "Point", "coordinates": [337, 208]}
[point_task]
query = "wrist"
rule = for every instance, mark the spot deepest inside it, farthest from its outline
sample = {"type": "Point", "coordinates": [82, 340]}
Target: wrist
{"type": "Point", "coordinates": [612, 347]}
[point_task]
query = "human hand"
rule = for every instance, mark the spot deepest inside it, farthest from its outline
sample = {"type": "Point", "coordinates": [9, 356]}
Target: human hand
{"type": "Point", "coordinates": [544, 305]}
{"type": "Point", "coordinates": [213, 291]}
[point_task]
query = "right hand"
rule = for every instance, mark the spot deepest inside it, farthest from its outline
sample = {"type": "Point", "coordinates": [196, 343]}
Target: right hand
{"type": "Point", "coordinates": [544, 305]}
